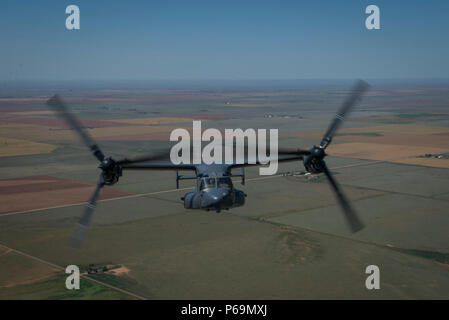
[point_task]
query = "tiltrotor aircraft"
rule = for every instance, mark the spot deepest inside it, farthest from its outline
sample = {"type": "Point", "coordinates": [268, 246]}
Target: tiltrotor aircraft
{"type": "Point", "coordinates": [214, 189]}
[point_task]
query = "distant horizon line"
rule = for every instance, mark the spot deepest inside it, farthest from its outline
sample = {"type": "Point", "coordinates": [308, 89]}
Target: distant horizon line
{"type": "Point", "coordinates": [221, 79]}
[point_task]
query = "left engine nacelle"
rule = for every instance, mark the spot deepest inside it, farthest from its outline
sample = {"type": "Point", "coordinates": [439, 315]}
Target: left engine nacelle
{"type": "Point", "coordinates": [111, 171]}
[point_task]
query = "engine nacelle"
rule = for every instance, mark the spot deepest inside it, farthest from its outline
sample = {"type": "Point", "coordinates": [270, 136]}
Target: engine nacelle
{"type": "Point", "coordinates": [111, 171]}
{"type": "Point", "coordinates": [314, 162]}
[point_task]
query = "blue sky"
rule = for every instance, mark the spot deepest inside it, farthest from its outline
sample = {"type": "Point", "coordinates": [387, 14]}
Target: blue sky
{"type": "Point", "coordinates": [224, 40]}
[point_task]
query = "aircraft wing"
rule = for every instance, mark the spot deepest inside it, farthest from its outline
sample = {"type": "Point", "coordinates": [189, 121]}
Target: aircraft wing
{"type": "Point", "coordinates": [283, 156]}
{"type": "Point", "coordinates": [160, 165]}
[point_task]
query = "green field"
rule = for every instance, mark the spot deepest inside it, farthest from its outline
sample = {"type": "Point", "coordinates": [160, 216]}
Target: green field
{"type": "Point", "coordinates": [54, 289]}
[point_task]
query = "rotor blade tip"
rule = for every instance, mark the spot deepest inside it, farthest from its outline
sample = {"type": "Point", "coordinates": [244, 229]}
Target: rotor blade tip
{"type": "Point", "coordinates": [362, 84]}
{"type": "Point", "coordinates": [357, 228]}
{"type": "Point", "coordinates": [75, 243]}
{"type": "Point", "coordinates": [76, 240]}
{"type": "Point", "coordinates": [55, 99]}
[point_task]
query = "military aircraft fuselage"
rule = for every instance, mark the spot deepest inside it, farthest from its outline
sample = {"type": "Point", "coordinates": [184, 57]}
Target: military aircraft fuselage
{"type": "Point", "coordinates": [214, 189]}
{"type": "Point", "coordinates": [214, 193]}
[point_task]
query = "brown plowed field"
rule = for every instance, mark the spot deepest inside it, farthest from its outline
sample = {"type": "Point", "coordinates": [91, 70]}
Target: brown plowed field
{"type": "Point", "coordinates": [395, 143]}
{"type": "Point", "coordinates": [56, 123]}
{"type": "Point", "coordinates": [40, 192]}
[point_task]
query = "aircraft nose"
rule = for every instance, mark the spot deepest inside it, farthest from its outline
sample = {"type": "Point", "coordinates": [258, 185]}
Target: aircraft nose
{"type": "Point", "coordinates": [214, 197]}
{"type": "Point", "coordinates": [221, 193]}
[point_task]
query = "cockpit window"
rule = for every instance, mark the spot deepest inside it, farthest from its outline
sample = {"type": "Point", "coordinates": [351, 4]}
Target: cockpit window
{"type": "Point", "coordinates": [207, 183]}
{"type": "Point", "coordinates": [224, 183]}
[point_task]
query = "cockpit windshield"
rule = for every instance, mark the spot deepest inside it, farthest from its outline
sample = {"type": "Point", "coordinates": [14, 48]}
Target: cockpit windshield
{"type": "Point", "coordinates": [224, 183]}
{"type": "Point", "coordinates": [207, 183]}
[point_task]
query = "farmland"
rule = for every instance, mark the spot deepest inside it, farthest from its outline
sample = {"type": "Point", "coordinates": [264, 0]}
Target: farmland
{"type": "Point", "coordinates": [289, 241]}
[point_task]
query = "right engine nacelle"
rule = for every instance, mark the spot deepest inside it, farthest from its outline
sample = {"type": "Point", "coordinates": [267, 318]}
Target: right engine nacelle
{"type": "Point", "coordinates": [314, 162]}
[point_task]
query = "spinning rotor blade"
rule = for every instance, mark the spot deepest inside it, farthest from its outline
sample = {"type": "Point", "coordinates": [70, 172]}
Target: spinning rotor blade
{"type": "Point", "coordinates": [357, 91]}
{"type": "Point", "coordinates": [81, 227]}
{"type": "Point", "coordinates": [351, 217]}
{"type": "Point", "coordinates": [56, 104]}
